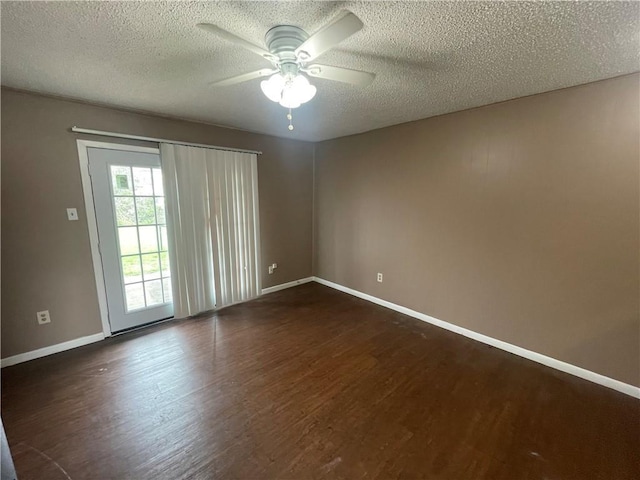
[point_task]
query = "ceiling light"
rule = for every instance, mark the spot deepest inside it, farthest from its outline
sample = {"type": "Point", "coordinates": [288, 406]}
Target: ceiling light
{"type": "Point", "coordinates": [272, 88]}
{"type": "Point", "coordinates": [289, 90]}
{"type": "Point", "coordinates": [290, 50]}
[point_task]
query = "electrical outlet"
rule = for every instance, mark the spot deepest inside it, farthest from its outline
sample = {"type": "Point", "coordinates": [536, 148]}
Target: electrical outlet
{"type": "Point", "coordinates": [379, 277]}
{"type": "Point", "coordinates": [270, 269]}
{"type": "Point", "coordinates": [43, 317]}
{"type": "Point", "coordinates": [275, 265]}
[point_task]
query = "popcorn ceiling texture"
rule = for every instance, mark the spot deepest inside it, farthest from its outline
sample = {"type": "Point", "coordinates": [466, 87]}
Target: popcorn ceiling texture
{"type": "Point", "coordinates": [430, 58]}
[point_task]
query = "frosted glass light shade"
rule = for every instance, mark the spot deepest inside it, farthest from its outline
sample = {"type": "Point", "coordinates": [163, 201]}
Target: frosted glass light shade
{"type": "Point", "coordinates": [289, 98]}
{"type": "Point", "coordinates": [272, 87]}
{"type": "Point", "coordinates": [303, 88]}
{"type": "Point", "coordinates": [289, 92]}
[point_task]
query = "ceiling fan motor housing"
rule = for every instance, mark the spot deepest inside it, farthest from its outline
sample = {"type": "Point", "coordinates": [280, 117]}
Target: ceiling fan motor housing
{"type": "Point", "coordinates": [282, 42]}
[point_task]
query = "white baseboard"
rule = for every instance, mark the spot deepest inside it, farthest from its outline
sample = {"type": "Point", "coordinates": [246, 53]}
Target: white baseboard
{"type": "Point", "coordinates": [521, 352]}
{"type": "Point", "coordinates": [43, 352]}
{"type": "Point", "coordinates": [282, 286]}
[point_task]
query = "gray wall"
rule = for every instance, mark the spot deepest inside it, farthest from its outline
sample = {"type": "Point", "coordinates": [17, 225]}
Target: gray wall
{"type": "Point", "coordinates": [46, 260]}
{"type": "Point", "coordinates": [518, 220]}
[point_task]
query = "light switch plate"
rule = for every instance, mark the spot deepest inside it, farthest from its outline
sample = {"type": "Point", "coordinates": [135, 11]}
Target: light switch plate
{"type": "Point", "coordinates": [72, 214]}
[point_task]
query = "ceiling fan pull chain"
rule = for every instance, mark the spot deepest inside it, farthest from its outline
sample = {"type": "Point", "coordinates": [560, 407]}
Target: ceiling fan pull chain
{"type": "Point", "coordinates": [290, 118]}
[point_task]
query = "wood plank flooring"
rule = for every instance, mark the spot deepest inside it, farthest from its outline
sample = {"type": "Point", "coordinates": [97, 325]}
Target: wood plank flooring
{"type": "Point", "coordinates": [310, 383]}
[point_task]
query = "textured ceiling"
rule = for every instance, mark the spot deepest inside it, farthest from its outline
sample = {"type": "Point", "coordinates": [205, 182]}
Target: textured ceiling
{"type": "Point", "coordinates": [429, 57]}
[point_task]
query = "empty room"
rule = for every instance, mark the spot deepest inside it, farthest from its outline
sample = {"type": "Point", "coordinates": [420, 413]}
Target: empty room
{"type": "Point", "coordinates": [320, 240]}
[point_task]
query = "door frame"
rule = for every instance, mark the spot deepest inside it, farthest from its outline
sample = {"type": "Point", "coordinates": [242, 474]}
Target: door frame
{"type": "Point", "coordinates": [92, 222]}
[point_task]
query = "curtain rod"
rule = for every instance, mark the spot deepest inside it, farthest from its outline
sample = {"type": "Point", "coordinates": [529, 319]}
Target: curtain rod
{"type": "Point", "coordinates": [158, 140]}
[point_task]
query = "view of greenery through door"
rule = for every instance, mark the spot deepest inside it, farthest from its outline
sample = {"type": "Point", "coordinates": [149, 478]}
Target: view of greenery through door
{"type": "Point", "coordinates": [139, 208]}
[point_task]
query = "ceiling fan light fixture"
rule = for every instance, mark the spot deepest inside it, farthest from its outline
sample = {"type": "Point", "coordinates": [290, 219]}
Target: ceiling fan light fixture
{"type": "Point", "coordinates": [288, 90]}
{"type": "Point", "coordinates": [304, 90]}
{"type": "Point", "coordinates": [272, 88]}
{"type": "Point", "coordinates": [289, 99]}
{"type": "Point", "coordinates": [290, 50]}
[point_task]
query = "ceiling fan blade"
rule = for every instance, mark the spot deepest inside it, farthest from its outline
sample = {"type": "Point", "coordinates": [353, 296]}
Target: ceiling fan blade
{"type": "Point", "coordinates": [329, 36]}
{"type": "Point", "coordinates": [245, 77]}
{"type": "Point", "coordinates": [339, 74]}
{"type": "Point", "coordinates": [230, 37]}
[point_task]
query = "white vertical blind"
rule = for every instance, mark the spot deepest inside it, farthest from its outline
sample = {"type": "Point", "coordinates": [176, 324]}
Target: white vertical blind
{"type": "Point", "coordinates": [213, 226]}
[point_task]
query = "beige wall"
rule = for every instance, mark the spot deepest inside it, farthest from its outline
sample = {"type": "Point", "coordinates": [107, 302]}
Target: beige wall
{"type": "Point", "coordinates": [518, 220]}
{"type": "Point", "coordinates": [46, 260]}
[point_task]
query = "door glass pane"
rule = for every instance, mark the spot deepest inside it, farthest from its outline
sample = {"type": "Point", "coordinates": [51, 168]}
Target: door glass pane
{"type": "Point", "coordinates": [142, 181]}
{"type": "Point", "coordinates": [164, 263]}
{"type": "Point", "coordinates": [121, 180]}
{"type": "Point", "coordinates": [128, 238]}
{"type": "Point", "coordinates": [146, 210]}
{"type": "Point", "coordinates": [160, 210]}
{"type": "Point", "coordinates": [153, 292]}
{"type": "Point", "coordinates": [125, 211]}
{"type": "Point", "coordinates": [158, 189]}
{"type": "Point", "coordinates": [148, 239]}
{"type": "Point", "coordinates": [135, 296]}
{"type": "Point", "coordinates": [140, 217]}
{"type": "Point", "coordinates": [151, 266]}
{"type": "Point", "coordinates": [131, 270]}
{"type": "Point", "coordinates": [166, 287]}
{"type": "Point", "coordinates": [162, 233]}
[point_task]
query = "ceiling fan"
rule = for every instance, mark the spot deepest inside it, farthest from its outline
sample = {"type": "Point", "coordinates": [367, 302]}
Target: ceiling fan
{"type": "Point", "coordinates": [291, 52]}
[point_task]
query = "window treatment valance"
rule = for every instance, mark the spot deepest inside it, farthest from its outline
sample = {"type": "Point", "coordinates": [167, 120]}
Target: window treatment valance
{"type": "Point", "coordinates": [212, 225]}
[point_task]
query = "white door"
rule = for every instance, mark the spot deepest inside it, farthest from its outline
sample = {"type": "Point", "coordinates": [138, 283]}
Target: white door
{"type": "Point", "coordinates": [130, 213]}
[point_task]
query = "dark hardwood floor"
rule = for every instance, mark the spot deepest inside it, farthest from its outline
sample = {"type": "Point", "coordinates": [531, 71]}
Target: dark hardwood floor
{"type": "Point", "coordinates": [310, 383]}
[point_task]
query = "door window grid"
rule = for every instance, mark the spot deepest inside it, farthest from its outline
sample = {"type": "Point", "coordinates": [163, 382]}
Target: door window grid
{"type": "Point", "coordinates": [140, 218]}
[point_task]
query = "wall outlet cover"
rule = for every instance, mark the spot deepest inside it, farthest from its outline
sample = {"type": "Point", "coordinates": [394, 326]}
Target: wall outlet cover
{"type": "Point", "coordinates": [43, 317]}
